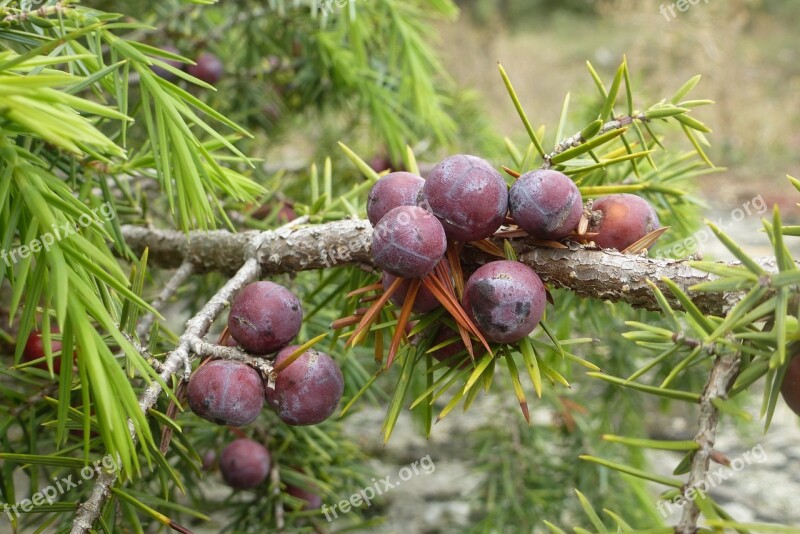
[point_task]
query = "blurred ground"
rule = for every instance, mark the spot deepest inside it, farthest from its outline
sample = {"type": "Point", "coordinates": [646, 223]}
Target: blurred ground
{"type": "Point", "coordinates": [442, 501]}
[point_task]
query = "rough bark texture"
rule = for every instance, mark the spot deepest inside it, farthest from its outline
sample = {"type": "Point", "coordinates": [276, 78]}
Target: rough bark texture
{"type": "Point", "coordinates": [589, 273]}
{"type": "Point", "coordinates": [723, 374]}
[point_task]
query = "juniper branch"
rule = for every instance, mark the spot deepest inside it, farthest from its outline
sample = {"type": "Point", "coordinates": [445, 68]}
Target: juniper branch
{"type": "Point", "coordinates": [191, 342]}
{"type": "Point", "coordinates": [604, 275]}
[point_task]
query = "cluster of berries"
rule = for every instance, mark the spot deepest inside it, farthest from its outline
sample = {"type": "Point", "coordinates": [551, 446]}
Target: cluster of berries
{"type": "Point", "coordinates": [264, 318]}
{"type": "Point", "coordinates": [465, 199]}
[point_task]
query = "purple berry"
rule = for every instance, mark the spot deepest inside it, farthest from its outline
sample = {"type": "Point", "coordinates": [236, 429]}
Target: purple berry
{"type": "Point", "coordinates": [625, 219]}
{"type": "Point", "coordinates": [408, 242]}
{"type": "Point", "coordinates": [34, 350]}
{"type": "Point", "coordinates": [468, 195]}
{"type": "Point", "coordinates": [264, 317]}
{"type": "Point", "coordinates": [393, 190]}
{"type": "Point", "coordinates": [790, 387]}
{"type": "Point", "coordinates": [207, 68]}
{"type": "Point", "coordinates": [308, 390]}
{"type": "Point", "coordinates": [546, 204]}
{"type": "Point", "coordinates": [505, 299]}
{"type": "Point", "coordinates": [244, 464]}
{"type": "Point", "coordinates": [226, 392]}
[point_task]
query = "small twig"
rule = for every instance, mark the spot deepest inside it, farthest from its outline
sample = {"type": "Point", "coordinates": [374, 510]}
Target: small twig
{"type": "Point", "coordinates": [156, 364]}
{"type": "Point", "coordinates": [170, 288]}
{"type": "Point", "coordinates": [680, 339]}
{"type": "Point", "coordinates": [721, 378]}
{"type": "Point", "coordinates": [578, 140]}
{"type": "Point", "coordinates": [204, 348]}
{"type": "Point", "coordinates": [42, 12]}
{"type": "Point", "coordinates": [196, 327]}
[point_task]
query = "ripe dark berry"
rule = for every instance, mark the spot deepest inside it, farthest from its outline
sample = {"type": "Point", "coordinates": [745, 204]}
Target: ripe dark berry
{"type": "Point", "coordinates": [505, 299]}
{"type": "Point", "coordinates": [408, 242]}
{"type": "Point", "coordinates": [424, 301]}
{"type": "Point", "coordinates": [226, 392]}
{"type": "Point", "coordinates": [207, 68]}
{"type": "Point", "coordinates": [307, 391]}
{"type": "Point", "coordinates": [312, 500]}
{"type": "Point", "coordinates": [395, 189]}
{"type": "Point", "coordinates": [244, 464]}
{"type": "Point", "coordinates": [790, 388]}
{"type": "Point", "coordinates": [625, 219]}
{"type": "Point", "coordinates": [468, 195]}
{"type": "Point", "coordinates": [546, 204]}
{"type": "Point", "coordinates": [164, 73]}
{"type": "Point", "coordinates": [264, 317]}
{"type": "Point", "coordinates": [34, 350]}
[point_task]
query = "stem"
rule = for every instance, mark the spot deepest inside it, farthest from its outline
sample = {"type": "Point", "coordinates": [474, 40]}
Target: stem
{"type": "Point", "coordinates": [604, 275]}
{"type": "Point", "coordinates": [181, 275]}
{"type": "Point", "coordinates": [722, 376]}
{"type": "Point", "coordinates": [196, 328]}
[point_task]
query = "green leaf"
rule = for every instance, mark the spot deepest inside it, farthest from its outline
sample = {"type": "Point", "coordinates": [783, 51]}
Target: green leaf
{"type": "Point", "coordinates": [693, 139]}
{"type": "Point", "coordinates": [750, 301]}
{"type": "Point", "coordinates": [664, 112]}
{"type": "Point", "coordinates": [652, 390]}
{"type": "Point", "coordinates": [396, 405]}
{"type": "Point", "coordinates": [532, 364]}
{"type": "Point", "coordinates": [562, 121]}
{"type": "Point", "coordinates": [638, 473]}
{"type": "Point", "coordinates": [593, 143]}
{"type": "Point", "coordinates": [521, 112]}
{"type": "Point", "coordinates": [482, 365]}
{"type": "Point", "coordinates": [685, 89]}
{"type": "Point", "coordinates": [591, 514]}
{"type": "Point", "coordinates": [515, 381]}
{"type": "Point", "coordinates": [362, 165]}
{"type": "Point", "coordinates": [699, 317]}
{"type": "Point", "coordinates": [36, 459]}
{"type": "Point", "coordinates": [666, 445]}
{"type": "Point", "coordinates": [611, 97]}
